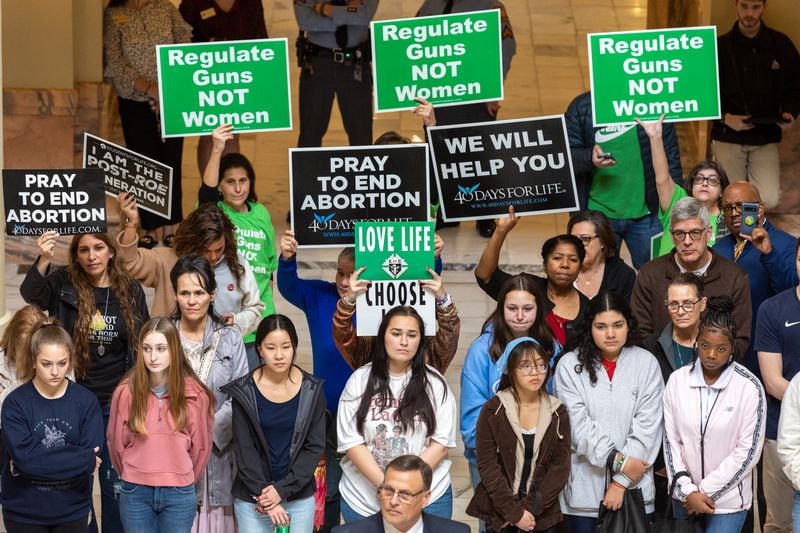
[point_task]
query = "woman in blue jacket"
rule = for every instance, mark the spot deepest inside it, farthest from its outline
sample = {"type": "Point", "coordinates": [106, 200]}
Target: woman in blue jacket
{"type": "Point", "coordinates": [519, 313]}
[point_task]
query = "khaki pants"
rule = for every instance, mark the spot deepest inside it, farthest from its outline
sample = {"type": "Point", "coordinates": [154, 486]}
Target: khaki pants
{"type": "Point", "coordinates": [778, 491]}
{"type": "Point", "coordinates": [760, 165]}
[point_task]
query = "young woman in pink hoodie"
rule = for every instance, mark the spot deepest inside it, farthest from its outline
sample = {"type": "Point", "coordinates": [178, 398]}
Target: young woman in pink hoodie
{"type": "Point", "coordinates": [160, 434]}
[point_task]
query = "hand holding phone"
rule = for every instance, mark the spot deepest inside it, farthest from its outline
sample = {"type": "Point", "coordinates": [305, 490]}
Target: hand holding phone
{"type": "Point", "coordinates": [749, 218]}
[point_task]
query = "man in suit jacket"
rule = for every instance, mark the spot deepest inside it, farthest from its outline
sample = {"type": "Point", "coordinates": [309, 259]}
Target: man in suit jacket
{"type": "Point", "coordinates": [405, 490]}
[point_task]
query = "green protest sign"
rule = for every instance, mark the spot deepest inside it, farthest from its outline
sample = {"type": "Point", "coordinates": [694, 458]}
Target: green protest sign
{"type": "Point", "coordinates": [204, 85]}
{"type": "Point", "coordinates": [394, 250]}
{"type": "Point", "coordinates": [646, 74]}
{"type": "Point", "coordinates": [446, 59]}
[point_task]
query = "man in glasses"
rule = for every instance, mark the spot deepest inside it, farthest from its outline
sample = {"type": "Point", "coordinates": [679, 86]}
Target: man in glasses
{"type": "Point", "coordinates": [689, 226]}
{"type": "Point", "coordinates": [405, 491]}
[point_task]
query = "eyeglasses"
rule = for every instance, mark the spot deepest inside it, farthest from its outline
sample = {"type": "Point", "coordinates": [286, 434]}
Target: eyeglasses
{"type": "Point", "coordinates": [733, 208]}
{"type": "Point", "coordinates": [527, 368]}
{"type": "Point", "coordinates": [387, 493]}
{"type": "Point", "coordinates": [695, 234]}
{"type": "Point", "coordinates": [711, 180]}
{"type": "Point", "coordinates": [586, 239]}
{"type": "Point", "coordinates": [687, 306]}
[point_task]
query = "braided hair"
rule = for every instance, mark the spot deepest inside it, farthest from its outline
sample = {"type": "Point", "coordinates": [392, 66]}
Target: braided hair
{"type": "Point", "coordinates": [719, 318]}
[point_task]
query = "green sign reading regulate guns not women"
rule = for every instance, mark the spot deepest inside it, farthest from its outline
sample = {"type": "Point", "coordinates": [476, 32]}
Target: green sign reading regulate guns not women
{"type": "Point", "coordinates": [646, 74]}
{"type": "Point", "coordinates": [446, 59]}
{"type": "Point", "coordinates": [205, 85]}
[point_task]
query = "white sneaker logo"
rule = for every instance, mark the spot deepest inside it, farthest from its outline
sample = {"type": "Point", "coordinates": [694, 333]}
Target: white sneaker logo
{"type": "Point", "coordinates": [790, 324]}
{"type": "Point", "coordinates": [610, 133]}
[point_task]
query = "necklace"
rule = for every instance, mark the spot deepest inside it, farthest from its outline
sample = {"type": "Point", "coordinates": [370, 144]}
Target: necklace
{"type": "Point", "coordinates": [99, 324]}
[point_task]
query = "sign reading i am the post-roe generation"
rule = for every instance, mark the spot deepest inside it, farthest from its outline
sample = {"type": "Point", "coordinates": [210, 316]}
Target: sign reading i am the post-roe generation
{"type": "Point", "coordinates": [646, 74]}
{"type": "Point", "coordinates": [69, 201]}
{"type": "Point", "coordinates": [148, 180]}
{"type": "Point", "coordinates": [446, 59]}
{"type": "Point", "coordinates": [204, 85]}
{"type": "Point", "coordinates": [482, 168]}
{"type": "Point", "coordinates": [333, 188]}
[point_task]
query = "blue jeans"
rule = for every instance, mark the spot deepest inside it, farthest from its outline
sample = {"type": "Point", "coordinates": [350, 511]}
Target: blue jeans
{"type": "Point", "coordinates": [301, 514]}
{"type": "Point", "coordinates": [637, 234]}
{"type": "Point", "coordinates": [474, 477]}
{"type": "Point", "coordinates": [796, 512]}
{"type": "Point", "coordinates": [443, 508]}
{"type": "Point", "coordinates": [145, 509]}
{"type": "Point", "coordinates": [715, 523]}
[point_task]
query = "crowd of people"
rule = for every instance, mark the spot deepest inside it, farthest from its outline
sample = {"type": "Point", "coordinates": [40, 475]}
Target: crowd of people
{"type": "Point", "coordinates": [660, 387]}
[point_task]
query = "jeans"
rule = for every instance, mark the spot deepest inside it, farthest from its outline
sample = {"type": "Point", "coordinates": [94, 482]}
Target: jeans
{"type": "Point", "coordinates": [474, 477]}
{"type": "Point", "coordinates": [796, 511]}
{"type": "Point", "coordinates": [443, 508]}
{"type": "Point", "coordinates": [715, 523]}
{"type": "Point", "coordinates": [146, 509]}
{"type": "Point", "coordinates": [637, 234]}
{"type": "Point", "coordinates": [301, 514]}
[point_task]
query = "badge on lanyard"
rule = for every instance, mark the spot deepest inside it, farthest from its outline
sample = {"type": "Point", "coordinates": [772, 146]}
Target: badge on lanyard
{"type": "Point", "coordinates": [207, 13]}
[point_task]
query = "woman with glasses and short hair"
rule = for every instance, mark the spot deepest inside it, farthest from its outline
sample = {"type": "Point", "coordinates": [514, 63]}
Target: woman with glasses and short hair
{"type": "Point", "coordinates": [705, 181]}
{"type": "Point", "coordinates": [520, 483]}
{"type": "Point", "coordinates": [601, 269]}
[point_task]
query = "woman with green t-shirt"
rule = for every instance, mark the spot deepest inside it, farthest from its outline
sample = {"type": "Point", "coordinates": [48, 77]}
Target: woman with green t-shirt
{"type": "Point", "coordinates": [705, 182]}
{"type": "Point", "coordinates": [230, 180]}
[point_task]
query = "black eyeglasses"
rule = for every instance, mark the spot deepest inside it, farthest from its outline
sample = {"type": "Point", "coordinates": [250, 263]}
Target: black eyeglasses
{"type": "Point", "coordinates": [387, 493]}
{"type": "Point", "coordinates": [586, 239]}
{"type": "Point", "coordinates": [687, 306]}
{"type": "Point", "coordinates": [733, 208]}
{"type": "Point", "coordinates": [695, 234]}
{"type": "Point", "coordinates": [714, 181]}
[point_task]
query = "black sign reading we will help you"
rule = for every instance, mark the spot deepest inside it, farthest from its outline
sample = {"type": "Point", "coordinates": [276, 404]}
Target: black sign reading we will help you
{"type": "Point", "coordinates": [333, 188]}
{"type": "Point", "coordinates": [69, 201]}
{"type": "Point", "coordinates": [482, 168]}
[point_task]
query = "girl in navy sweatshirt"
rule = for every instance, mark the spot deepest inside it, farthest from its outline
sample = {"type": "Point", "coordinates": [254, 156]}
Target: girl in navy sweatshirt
{"type": "Point", "coordinates": [52, 430]}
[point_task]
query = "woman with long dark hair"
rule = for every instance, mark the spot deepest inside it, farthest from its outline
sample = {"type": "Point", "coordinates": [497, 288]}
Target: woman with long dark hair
{"type": "Point", "coordinates": [519, 313]}
{"type": "Point", "coordinates": [216, 354]}
{"type": "Point", "coordinates": [279, 435]}
{"type": "Point", "coordinates": [52, 431]}
{"type": "Point", "coordinates": [131, 31]}
{"type": "Point", "coordinates": [520, 484]}
{"type": "Point", "coordinates": [612, 391]}
{"type": "Point", "coordinates": [103, 307]}
{"type": "Point", "coordinates": [714, 425]}
{"type": "Point", "coordinates": [160, 434]}
{"type": "Point", "coordinates": [395, 390]}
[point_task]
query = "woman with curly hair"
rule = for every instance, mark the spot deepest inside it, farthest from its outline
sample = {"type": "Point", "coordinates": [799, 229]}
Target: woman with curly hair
{"type": "Point", "coordinates": [715, 412]}
{"type": "Point", "coordinates": [612, 391]}
{"type": "Point", "coordinates": [207, 232]}
{"type": "Point", "coordinates": [396, 387]}
{"type": "Point", "coordinates": [103, 307]}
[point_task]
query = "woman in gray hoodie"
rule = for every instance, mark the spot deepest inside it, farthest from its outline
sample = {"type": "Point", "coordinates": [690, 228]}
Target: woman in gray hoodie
{"type": "Point", "coordinates": [612, 391]}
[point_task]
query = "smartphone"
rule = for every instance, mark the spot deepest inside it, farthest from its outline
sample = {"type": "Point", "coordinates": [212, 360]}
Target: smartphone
{"type": "Point", "coordinates": [606, 155]}
{"type": "Point", "coordinates": [749, 218]}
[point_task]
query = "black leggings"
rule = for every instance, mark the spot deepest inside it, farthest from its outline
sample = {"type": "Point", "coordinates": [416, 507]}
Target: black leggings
{"type": "Point", "coordinates": [76, 526]}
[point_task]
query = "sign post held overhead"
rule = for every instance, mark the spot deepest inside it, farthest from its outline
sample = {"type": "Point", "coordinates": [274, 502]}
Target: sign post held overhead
{"type": "Point", "coordinates": [646, 74]}
{"type": "Point", "coordinates": [243, 83]}
{"type": "Point", "coordinates": [446, 59]}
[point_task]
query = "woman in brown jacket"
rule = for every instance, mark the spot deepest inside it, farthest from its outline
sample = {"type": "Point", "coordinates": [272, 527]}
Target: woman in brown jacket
{"type": "Point", "coordinates": [523, 447]}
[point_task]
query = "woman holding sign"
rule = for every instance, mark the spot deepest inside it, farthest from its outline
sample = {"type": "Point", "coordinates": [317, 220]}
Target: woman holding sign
{"type": "Point", "coordinates": [399, 405]}
{"type": "Point", "coordinates": [230, 181]}
{"type": "Point", "coordinates": [131, 31]}
{"type": "Point", "coordinates": [103, 307]}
